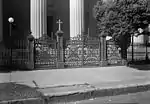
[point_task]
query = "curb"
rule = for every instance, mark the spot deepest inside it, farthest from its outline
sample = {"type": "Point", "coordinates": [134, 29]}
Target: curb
{"type": "Point", "coordinates": [24, 101]}
{"type": "Point", "coordinates": [12, 93]}
{"type": "Point", "coordinates": [94, 93]}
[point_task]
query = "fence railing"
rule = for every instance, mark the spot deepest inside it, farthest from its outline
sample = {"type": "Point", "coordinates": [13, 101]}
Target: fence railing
{"type": "Point", "coordinates": [139, 52]}
{"type": "Point", "coordinates": [77, 52]}
{"type": "Point", "coordinates": [16, 56]}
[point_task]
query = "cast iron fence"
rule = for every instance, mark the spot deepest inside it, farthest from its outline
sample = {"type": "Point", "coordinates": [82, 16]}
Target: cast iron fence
{"type": "Point", "coordinates": [17, 57]}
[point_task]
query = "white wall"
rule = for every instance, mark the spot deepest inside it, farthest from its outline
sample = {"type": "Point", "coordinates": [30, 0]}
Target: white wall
{"type": "Point", "coordinates": [139, 39]}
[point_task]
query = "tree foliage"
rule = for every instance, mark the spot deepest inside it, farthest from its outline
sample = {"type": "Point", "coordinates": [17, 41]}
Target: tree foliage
{"type": "Point", "coordinates": [119, 18]}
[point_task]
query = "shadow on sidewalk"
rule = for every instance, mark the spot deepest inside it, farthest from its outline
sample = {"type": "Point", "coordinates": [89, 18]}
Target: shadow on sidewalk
{"type": "Point", "coordinates": [5, 69]}
{"type": "Point", "coordinates": [140, 65]}
{"type": "Point", "coordinates": [8, 69]}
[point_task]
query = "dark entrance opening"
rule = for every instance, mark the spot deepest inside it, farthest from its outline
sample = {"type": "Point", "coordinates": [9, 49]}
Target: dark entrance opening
{"type": "Point", "coordinates": [49, 25]}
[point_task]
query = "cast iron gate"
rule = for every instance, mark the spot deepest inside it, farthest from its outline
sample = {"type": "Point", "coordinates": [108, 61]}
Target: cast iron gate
{"type": "Point", "coordinates": [113, 53]}
{"type": "Point", "coordinates": [82, 51]}
{"type": "Point", "coordinates": [79, 51]}
{"type": "Point", "coordinates": [45, 53]}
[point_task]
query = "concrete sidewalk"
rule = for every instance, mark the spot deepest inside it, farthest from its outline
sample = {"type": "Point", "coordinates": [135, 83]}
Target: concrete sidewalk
{"type": "Point", "coordinates": [82, 83]}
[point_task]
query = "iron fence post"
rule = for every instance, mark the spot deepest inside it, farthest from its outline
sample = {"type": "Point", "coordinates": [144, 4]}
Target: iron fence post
{"type": "Point", "coordinates": [82, 38]}
{"type": "Point", "coordinates": [146, 56]}
{"type": "Point", "coordinates": [60, 53]}
{"type": "Point", "coordinates": [99, 51]}
{"type": "Point", "coordinates": [132, 48]}
{"type": "Point", "coordinates": [31, 50]}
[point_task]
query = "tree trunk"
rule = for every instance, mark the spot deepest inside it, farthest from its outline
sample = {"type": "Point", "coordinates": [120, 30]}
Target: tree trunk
{"type": "Point", "coordinates": [124, 46]}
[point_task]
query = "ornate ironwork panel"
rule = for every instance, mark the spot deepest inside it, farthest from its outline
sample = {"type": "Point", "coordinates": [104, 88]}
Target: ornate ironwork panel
{"type": "Point", "coordinates": [92, 51]}
{"type": "Point", "coordinates": [73, 52]}
{"type": "Point", "coordinates": [113, 54]}
{"type": "Point", "coordinates": [82, 51]}
{"type": "Point", "coordinates": [45, 53]}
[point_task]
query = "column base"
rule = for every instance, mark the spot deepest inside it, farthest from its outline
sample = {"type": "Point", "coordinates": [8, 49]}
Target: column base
{"type": "Point", "coordinates": [60, 65]}
{"type": "Point", "coordinates": [103, 63]}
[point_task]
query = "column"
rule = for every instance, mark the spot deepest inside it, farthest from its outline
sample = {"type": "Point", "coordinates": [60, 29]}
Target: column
{"type": "Point", "coordinates": [38, 17]}
{"type": "Point", "coordinates": [76, 17]}
{"type": "Point", "coordinates": [1, 23]}
{"type": "Point", "coordinates": [44, 16]}
{"type": "Point", "coordinates": [73, 18]}
{"type": "Point", "coordinates": [149, 28]}
{"type": "Point", "coordinates": [82, 16]}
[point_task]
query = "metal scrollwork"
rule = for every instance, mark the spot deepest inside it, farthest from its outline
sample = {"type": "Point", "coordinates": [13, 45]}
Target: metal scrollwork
{"type": "Point", "coordinates": [45, 52]}
{"type": "Point", "coordinates": [82, 50]}
{"type": "Point", "coordinates": [113, 54]}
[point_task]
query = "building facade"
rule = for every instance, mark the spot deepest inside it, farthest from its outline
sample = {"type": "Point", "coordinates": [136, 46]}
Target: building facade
{"type": "Point", "coordinates": [40, 16]}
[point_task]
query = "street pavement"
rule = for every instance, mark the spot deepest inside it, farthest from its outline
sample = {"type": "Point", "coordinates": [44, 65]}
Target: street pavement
{"type": "Point", "coordinates": [78, 82]}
